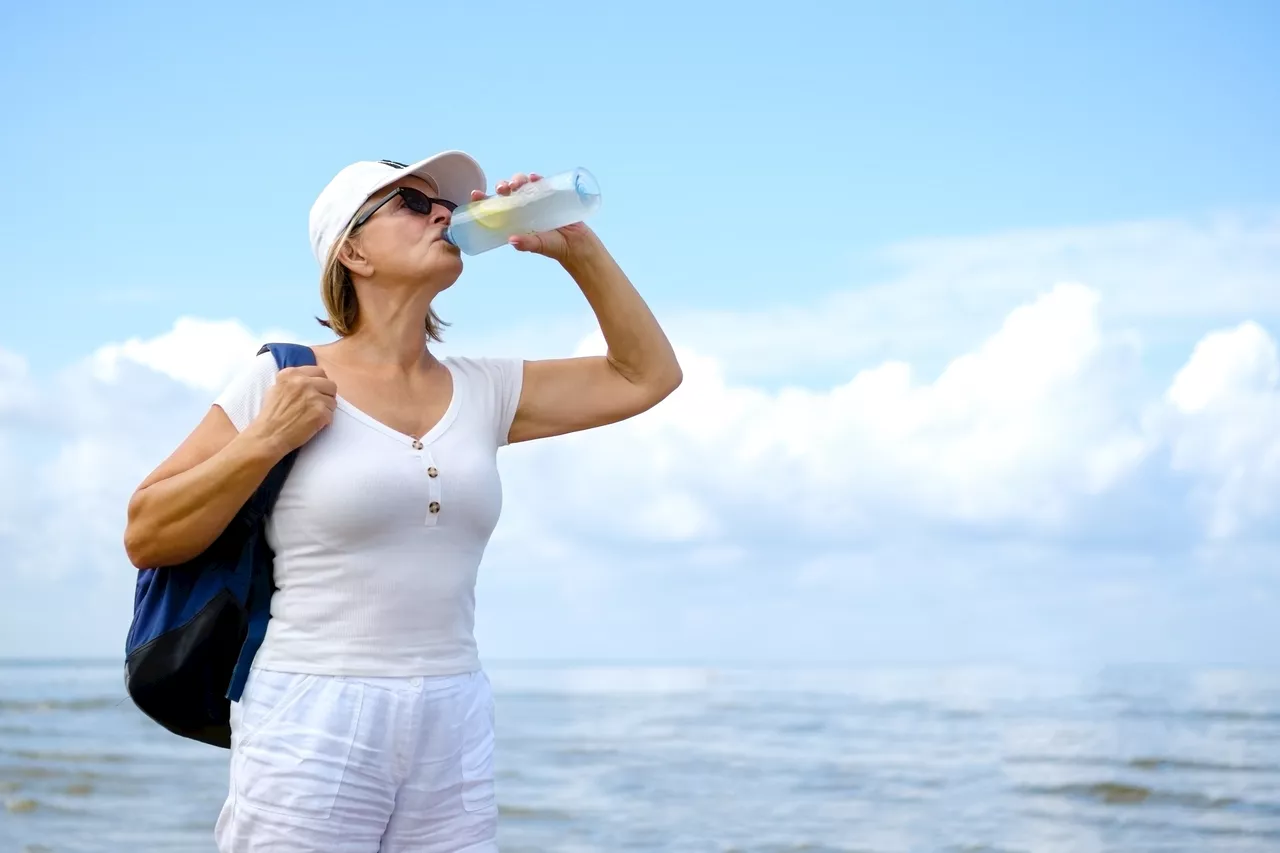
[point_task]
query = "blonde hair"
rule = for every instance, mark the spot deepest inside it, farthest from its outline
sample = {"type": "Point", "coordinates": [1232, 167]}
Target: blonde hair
{"type": "Point", "coordinates": [338, 293]}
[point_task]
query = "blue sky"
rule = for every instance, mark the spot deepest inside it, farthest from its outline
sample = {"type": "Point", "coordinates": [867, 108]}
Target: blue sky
{"type": "Point", "coordinates": [805, 194]}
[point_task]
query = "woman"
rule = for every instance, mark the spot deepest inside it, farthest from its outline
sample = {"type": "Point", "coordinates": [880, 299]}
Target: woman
{"type": "Point", "coordinates": [367, 721]}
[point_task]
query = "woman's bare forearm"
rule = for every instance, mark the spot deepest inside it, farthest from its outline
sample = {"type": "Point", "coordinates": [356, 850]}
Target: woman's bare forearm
{"type": "Point", "coordinates": [638, 348]}
{"type": "Point", "coordinates": [175, 518]}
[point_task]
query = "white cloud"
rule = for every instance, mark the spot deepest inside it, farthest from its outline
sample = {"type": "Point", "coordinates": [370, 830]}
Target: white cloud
{"type": "Point", "coordinates": [1225, 427]}
{"type": "Point", "coordinates": [204, 354]}
{"type": "Point", "coordinates": [1227, 366]}
{"type": "Point", "coordinates": [1021, 430]}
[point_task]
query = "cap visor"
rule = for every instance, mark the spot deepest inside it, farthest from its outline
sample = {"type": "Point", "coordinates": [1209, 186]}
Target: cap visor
{"type": "Point", "coordinates": [454, 173]}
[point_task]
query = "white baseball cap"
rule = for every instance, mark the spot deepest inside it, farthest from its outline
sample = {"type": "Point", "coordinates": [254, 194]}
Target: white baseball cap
{"type": "Point", "coordinates": [454, 173]}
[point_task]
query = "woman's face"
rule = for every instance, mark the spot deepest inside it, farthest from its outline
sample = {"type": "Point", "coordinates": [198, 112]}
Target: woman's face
{"type": "Point", "coordinates": [398, 244]}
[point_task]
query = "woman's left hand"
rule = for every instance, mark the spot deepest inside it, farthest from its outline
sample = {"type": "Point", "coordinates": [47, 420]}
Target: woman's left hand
{"type": "Point", "coordinates": [561, 244]}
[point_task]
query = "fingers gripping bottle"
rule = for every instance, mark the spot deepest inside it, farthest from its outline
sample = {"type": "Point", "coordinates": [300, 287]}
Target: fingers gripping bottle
{"type": "Point", "coordinates": [541, 205]}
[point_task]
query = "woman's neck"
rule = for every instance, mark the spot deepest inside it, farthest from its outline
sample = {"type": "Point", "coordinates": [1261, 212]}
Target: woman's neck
{"type": "Point", "coordinates": [391, 329]}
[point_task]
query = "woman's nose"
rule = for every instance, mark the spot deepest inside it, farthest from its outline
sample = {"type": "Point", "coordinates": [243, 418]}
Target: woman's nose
{"type": "Point", "coordinates": [440, 215]}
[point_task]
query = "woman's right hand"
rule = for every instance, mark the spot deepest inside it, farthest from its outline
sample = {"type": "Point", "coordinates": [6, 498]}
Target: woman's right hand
{"type": "Point", "coordinates": [296, 407]}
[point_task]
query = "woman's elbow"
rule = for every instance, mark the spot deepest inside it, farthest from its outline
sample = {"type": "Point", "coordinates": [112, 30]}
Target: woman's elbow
{"type": "Point", "coordinates": [135, 549]}
{"type": "Point", "coordinates": [668, 382]}
{"type": "Point", "coordinates": [139, 539]}
{"type": "Point", "coordinates": [137, 556]}
{"type": "Point", "coordinates": [675, 378]}
{"type": "Point", "coordinates": [658, 388]}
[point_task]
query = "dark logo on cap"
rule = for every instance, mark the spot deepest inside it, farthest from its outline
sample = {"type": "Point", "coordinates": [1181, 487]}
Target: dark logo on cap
{"type": "Point", "coordinates": [394, 164]}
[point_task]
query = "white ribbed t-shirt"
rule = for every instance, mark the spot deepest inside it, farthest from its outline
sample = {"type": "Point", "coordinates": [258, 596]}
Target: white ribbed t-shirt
{"type": "Point", "coordinates": [378, 537]}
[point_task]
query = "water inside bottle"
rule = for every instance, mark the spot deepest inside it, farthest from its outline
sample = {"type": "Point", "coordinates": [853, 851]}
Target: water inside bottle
{"type": "Point", "coordinates": [541, 205]}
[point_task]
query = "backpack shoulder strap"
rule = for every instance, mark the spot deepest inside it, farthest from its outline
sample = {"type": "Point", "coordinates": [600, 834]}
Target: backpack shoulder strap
{"type": "Point", "coordinates": [258, 558]}
{"type": "Point", "coordinates": [290, 355]}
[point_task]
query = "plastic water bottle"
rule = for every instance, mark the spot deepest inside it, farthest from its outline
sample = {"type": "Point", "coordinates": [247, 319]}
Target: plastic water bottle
{"type": "Point", "coordinates": [541, 205]}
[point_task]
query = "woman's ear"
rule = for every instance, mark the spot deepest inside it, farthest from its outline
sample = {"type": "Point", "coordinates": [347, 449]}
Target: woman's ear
{"type": "Point", "coordinates": [351, 257]}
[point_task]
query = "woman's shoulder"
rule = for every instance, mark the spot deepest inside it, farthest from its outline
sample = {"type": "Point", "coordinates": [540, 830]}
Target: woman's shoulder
{"type": "Point", "coordinates": [242, 397]}
{"type": "Point", "coordinates": [262, 364]}
{"type": "Point", "coordinates": [484, 364]}
{"type": "Point", "coordinates": [503, 374]}
{"type": "Point", "coordinates": [258, 374]}
{"type": "Point", "coordinates": [496, 383]}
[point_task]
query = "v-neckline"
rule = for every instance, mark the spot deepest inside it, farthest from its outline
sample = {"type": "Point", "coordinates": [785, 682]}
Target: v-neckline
{"type": "Point", "coordinates": [455, 394]}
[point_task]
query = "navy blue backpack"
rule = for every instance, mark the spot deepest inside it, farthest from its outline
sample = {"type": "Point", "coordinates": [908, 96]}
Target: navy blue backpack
{"type": "Point", "coordinates": [196, 626]}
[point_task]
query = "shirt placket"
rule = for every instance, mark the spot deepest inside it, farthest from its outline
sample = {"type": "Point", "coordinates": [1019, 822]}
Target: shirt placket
{"type": "Point", "coordinates": [434, 491]}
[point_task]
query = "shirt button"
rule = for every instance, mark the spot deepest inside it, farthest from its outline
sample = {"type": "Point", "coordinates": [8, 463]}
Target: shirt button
{"type": "Point", "coordinates": [417, 445]}
{"type": "Point", "coordinates": [434, 506]}
{"type": "Point", "coordinates": [432, 472]}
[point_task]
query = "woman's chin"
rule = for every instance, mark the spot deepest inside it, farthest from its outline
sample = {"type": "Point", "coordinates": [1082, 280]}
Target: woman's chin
{"type": "Point", "coordinates": [445, 273]}
{"type": "Point", "coordinates": [453, 265]}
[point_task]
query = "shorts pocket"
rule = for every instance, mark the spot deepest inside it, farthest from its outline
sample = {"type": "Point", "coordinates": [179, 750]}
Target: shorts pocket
{"type": "Point", "coordinates": [478, 792]}
{"type": "Point", "coordinates": [266, 696]}
{"type": "Point", "coordinates": [293, 758]}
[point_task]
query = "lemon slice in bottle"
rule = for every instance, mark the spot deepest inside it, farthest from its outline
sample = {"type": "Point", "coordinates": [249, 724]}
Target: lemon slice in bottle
{"type": "Point", "coordinates": [492, 213]}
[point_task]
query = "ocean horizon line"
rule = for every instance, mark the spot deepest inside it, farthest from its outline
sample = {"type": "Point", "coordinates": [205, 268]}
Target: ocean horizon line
{"type": "Point", "coordinates": [749, 664]}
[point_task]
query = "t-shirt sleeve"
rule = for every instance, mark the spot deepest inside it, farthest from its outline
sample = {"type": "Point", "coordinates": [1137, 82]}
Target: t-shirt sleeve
{"type": "Point", "coordinates": [500, 380]}
{"type": "Point", "coordinates": [510, 382]}
{"type": "Point", "coordinates": [242, 398]}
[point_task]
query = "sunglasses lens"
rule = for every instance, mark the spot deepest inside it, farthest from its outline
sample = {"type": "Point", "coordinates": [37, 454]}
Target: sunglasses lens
{"type": "Point", "coordinates": [420, 202]}
{"type": "Point", "coordinates": [416, 201]}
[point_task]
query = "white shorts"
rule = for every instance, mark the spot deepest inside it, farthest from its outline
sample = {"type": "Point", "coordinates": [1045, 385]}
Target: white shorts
{"type": "Point", "coordinates": [361, 765]}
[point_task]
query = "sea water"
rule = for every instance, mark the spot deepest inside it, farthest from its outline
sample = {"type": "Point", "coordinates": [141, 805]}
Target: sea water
{"type": "Point", "coordinates": [541, 205]}
{"type": "Point", "coordinates": [684, 759]}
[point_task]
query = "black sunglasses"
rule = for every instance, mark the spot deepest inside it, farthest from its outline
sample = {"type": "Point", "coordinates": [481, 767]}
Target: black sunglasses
{"type": "Point", "coordinates": [415, 200]}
